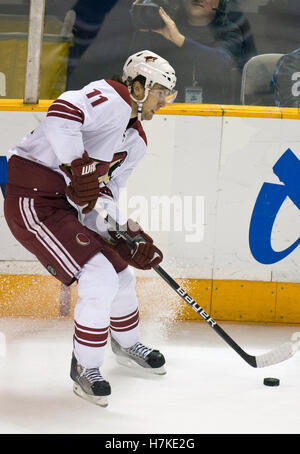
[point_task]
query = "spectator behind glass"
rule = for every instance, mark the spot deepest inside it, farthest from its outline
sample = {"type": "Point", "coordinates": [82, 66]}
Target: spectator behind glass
{"type": "Point", "coordinates": [90, 15]}
{"type": "Point", "coordinates": [286, 80]}
{"type": "Point", "coordinates": [236, 15]}
{"type": "Point", "coordinates": [203, 46]}
{"type": "Point", "coordinates": [280, 26]}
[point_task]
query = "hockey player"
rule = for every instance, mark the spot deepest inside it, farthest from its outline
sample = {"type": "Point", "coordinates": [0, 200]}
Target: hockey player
{"type": "Point", "coordinates": [82, 155]}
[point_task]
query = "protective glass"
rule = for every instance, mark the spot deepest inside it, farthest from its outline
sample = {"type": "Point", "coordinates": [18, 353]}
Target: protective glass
{"type": "Point", "coordinates": [164, 94]}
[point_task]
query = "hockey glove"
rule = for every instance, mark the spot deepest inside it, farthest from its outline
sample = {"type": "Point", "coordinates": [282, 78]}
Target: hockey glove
{"type": "Point", "coordinates": [105, 192]}
{"type": "Point", "coordinates": [84, 186]}
{"type": "Point", "coordinates": [144, 255]}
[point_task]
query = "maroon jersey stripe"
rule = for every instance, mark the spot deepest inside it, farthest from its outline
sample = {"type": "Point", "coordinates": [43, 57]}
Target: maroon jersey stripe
{"type": "Point", "coordinates": [68, 117]}
{"type": "Point", "coordinates": [58, 104]}
{"type": "Point", "coordinates": [60, 108]}
{"type": "Point", "coordinates": [68, 104]}
{"type": "Point", "coordinates": [123, 316]}
{"type": "Point", "coordinates": [139, 128]}
{"type": "Point", "coordinates": [90, 337]}
{"type": "Point", "coordinates": [126, 328]}
{"type": "Point", "coordinates": [121, 89]}
{"type": "Point", "coordinates": [125, 323]}
{"type": "Point", "coordinates": [89, 344]}
{"type": "Point", "coordinates": [87, 328]}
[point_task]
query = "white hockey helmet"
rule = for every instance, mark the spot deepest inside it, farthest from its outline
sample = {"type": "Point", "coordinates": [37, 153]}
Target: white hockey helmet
{"type": "Point", "coordinates": [154, 68]}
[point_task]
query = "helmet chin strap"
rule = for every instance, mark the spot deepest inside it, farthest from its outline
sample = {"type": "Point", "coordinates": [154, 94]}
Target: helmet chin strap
{"type": "Point", "coordinates": [140, 103]}
{"type": "Point", "coordinates": [140, 108]}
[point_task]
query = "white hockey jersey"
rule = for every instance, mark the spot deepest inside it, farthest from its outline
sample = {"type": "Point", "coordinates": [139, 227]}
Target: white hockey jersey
{"type": "Point", "coordinates": [93, 119]}
{"type": "Point", "coordinates": [133, 150]}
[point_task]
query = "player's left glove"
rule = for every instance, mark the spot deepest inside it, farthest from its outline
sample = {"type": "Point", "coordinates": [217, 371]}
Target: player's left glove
{"type": "Point", "coordinates": [145, 255]}
{"type": "Point", "coordinates": [84, 186]}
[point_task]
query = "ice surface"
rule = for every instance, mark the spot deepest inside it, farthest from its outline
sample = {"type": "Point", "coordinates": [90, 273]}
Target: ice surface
{"type": "Point", "coordinates": [208, 389]}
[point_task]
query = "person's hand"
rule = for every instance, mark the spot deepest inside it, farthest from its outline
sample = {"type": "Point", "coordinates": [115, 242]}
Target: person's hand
{"type": "Point", "coordinates": [145, 255]}
{"type": "Point", "coordinates": [170, 31]}
{"type": "Point", "coordinates": [84, 186]}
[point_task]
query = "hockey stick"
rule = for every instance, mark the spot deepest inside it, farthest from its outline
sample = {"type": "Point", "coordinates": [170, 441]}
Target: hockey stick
{"type": "Point", "coordinates": [275, 356]}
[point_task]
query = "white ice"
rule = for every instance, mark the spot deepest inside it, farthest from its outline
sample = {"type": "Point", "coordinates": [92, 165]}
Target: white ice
{"type": "Point", "coordinates": [208, 388]}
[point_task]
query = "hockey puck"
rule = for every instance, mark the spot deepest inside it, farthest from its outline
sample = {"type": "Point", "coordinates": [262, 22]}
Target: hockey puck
{"type": "Point", "coordinates": [271, 381]}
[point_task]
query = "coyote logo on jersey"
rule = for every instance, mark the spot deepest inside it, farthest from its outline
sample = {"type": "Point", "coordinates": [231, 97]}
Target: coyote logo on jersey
{"type": "Point", "coordinates": [117, 160]}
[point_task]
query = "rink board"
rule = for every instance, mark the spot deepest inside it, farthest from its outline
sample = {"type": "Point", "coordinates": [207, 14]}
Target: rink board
{"type": "Point", "coordinates": [210, 163]}
{"type": "Point", "coordinates": [241, 301]}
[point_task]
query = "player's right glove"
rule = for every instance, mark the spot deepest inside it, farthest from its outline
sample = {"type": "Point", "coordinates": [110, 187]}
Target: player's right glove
{"type": "Point", "coordinates": [145, 255]}
{"type": "Point", "coordinates": [84, 186]}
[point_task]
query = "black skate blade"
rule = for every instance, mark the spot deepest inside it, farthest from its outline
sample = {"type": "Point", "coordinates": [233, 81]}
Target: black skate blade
{"type": "Point", "coordinates": [128, 362]}
{"type": "Point", "coordinates": [101, 401]}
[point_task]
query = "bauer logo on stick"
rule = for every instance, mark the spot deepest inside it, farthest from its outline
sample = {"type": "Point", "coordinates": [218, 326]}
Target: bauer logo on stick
{"type": "Point", "coordinates": [196, 307]}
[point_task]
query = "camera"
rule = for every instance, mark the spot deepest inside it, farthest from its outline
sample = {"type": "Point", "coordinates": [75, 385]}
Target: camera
{"type": "Point", "coordinates": [145, 14]}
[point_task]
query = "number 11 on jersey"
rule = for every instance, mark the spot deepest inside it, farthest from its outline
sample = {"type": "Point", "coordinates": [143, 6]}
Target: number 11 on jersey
{"type": "Point", "coordinates": [100, 99]}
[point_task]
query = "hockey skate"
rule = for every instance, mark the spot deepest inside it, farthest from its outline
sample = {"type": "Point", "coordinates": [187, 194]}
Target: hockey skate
{"type": "Point", "coordinates": [139, 356]}
{"type": "Point", "coordinates": [89, 384]}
